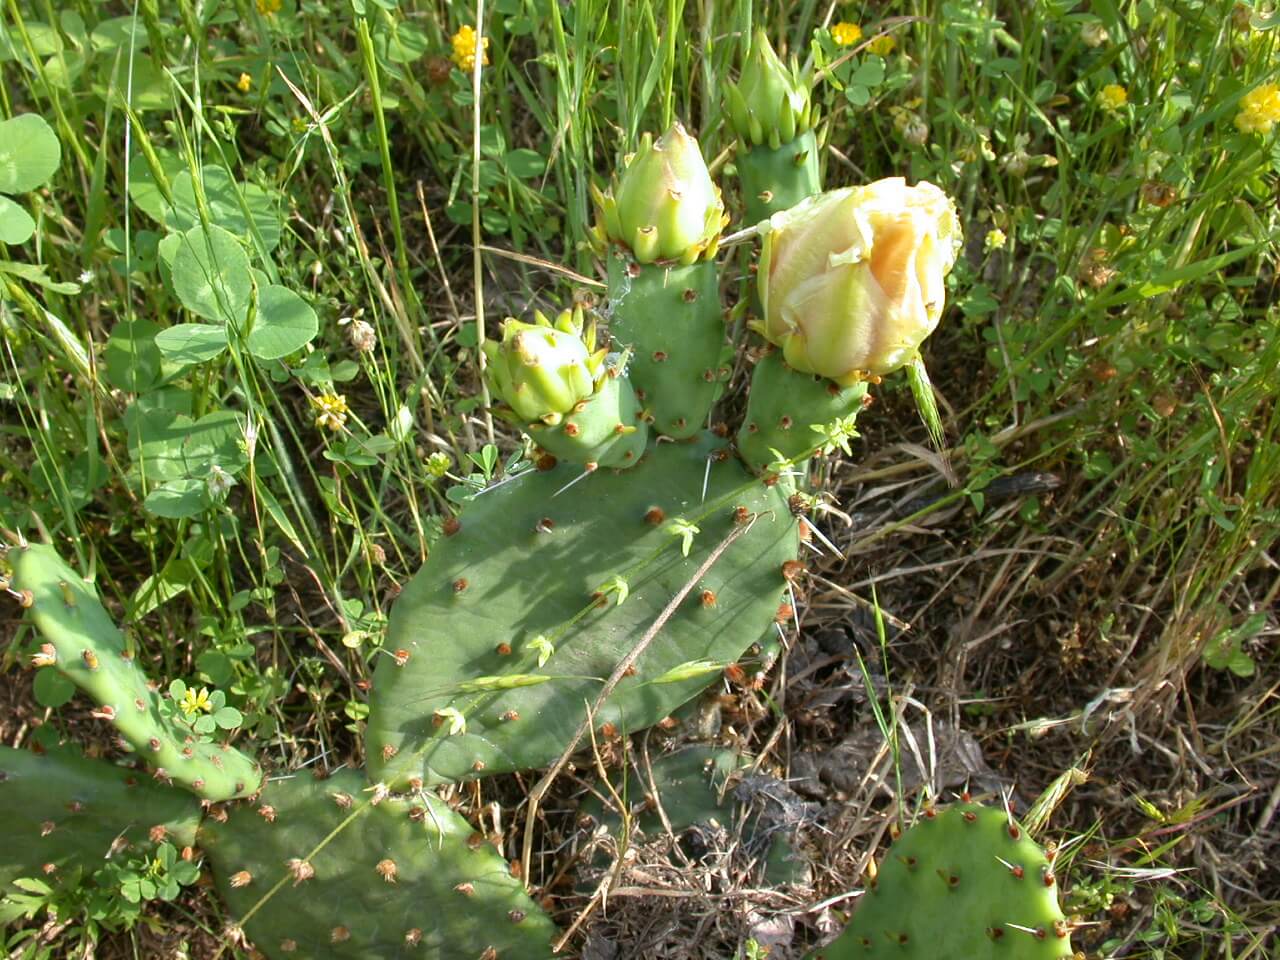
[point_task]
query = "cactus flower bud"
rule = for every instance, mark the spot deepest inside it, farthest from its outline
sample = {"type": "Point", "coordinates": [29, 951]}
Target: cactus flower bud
{"type": "Point", "coordinates": [770, 103]}
{"type": "Point", "coordinates": [664, 206]}
{"type": "Point", "coordinates": [542, 370]}
{"type": "Point", "coordinates": [851, 281]}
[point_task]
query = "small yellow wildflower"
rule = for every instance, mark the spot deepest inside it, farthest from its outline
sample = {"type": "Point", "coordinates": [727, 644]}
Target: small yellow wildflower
{"type": "Point", "coordinates": [268, 7]}
{"type": "Point", "coordinates": [244, 83]}
{"type": "Point", "coordinates": [331, 411]}
{"type": "Point", "coordinates": [1259, 109]}
{"type": "Point", "coordinates": [193, 702]}
{"type": "Point", "coordinates": [438, 464]}
{"type": "Point", "coordinates": [846, 34]}
{"type": "Point", "coordinates": [882, 45]}
{"type": "Point", "coordinates": [1113, 97]}
{"type": "Point", "coordinates": [995, 240]}
{"type": "Point", "coordinates": [465, 47]}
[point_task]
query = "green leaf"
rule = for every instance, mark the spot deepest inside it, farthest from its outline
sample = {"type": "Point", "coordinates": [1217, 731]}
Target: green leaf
{"type": "Point", "coordinates": [37, 273]}
{"type": "Point", "coordinates": [51, 688]}
{"type": "Point", "coordinates": [176, 499]}
{"type": "Point", "coordinates": [228, 718]}
{"type": "Point", "coordinates": [29, 153]}
{"type": "Point", "coordinates": [285, 323]}
{"type": "Point", "coordinates": [211, 275]}
{"type": "Point", "coordinates": [16, 225]}
{"type": "Point", "coordinates": [192, 342]}
{"type": "Point", "coordinates": [525, 163]}
{"type": "Point", "coordinates": [132, 359]}
{"type": "Point", "coordinates": [224, 197]}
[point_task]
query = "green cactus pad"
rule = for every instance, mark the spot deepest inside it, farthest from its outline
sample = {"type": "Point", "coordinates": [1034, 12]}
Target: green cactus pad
{"type": "Point", "coordinates": [777, 179]}
{"type": "Point", "coordinates": [689, 783]}
{"type": "Point", "coordinates": [528, 574]}
{"type": "Point", "coordinates": [90, 651]}
{"type": "Point", "coordinates": [783, 408]}
{"type": "Point", "coordinates": [64, 815]}
{"type": "Point", "coordinates": [671, 319]}
{"type": "Point", "coordinates": [316, 869]}
{"type": "Point", "coordinates": [605, 430]}
{"type": "Point", "coordinates": [965, 883]}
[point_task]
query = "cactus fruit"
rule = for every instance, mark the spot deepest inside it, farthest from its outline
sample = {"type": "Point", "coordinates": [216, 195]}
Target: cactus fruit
{"type": "Point", "coordinates": [322, 868]}
{"type": "Point", "coordinates": [772, 112]}
{"type": "Point", "coordinates": [791, 415]}
{"type": "Point", "coordinates": [965, 883]}
{"type": "Point", "coordinates": [664, 205]}
{"type": "Point", "coordinates": [564, 393]}
{"type": "Point", "coordinates": [86, 647]}
{"type": "Point", "coordinates": [63, 815]}
{"type": "Point", "coordinates": [670, 318]}
{"type": "Point", "coordinates": [510, 627]}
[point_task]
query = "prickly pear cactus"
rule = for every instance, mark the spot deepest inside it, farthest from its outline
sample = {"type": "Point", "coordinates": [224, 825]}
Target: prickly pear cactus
{"type": "Point", "coordinates": [776, 179]}
{"type": "Point", "coordinates": [670, 317]}
{"type": "Point", "coordinates": [86, 647]}
{"type": "Point", "coordinates": [965, 883]}
{"type": "Point", "coordinates": [318, 868]}
{"type": "Point", "coordinates": [64, 815]}
{"type": "Point", "coordinates": [791, 414]}
{"type": "Point", "coordinates": [507, 633]}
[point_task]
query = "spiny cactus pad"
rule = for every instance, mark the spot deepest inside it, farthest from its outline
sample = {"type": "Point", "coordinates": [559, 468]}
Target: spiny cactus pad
{"type": "Point", "coordinates": [64, 815]}
{"type": "Point", "coordinates": [529, 575]}
{"type": "Point", "coordinates": [777, 179]}
{"type": "Point", "coordinates": [315, 869]}
{"type": "Point", "coordinates": [965, 883]}
{"type": "Point", "coordinates": [670, 317]}
{"type": "Point", "coordinates": [783, 408]}
{"type": "Point", "coordinates": [86, 647]}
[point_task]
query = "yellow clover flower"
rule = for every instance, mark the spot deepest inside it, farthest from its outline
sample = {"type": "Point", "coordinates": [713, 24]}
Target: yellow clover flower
{"type": "Point", "coordinates": [994, 240]}
{"type": "Point", "coordinates": [244, 83]}
{"type": "Point", "coordinates": [1259, 109]}
{"type": "Point", "coordinates": [846, 34]}
{"type": "Point", "coordinates": [193, 702]}
{"type": "Point", "coordinates": [465, 48]}
{"type": "Point", "coordinates": [331, 411]}
{"type": "Point", "coordinates": [882, 45]}
{"type": "Point", "coordinates": [1113, 96]}
{"type": "Point", "coordinates": [268, 7]}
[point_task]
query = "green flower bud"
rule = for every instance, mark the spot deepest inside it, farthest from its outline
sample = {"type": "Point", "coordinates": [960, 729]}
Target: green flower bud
{"type": "Point", "coordinates": [664, 206]}
{"type": "Point", "coordinates": [543, 370]}
{"type": "Point", "coordinates": [852, 281]}
{"type": "Point", "coordinates": [770, 103]}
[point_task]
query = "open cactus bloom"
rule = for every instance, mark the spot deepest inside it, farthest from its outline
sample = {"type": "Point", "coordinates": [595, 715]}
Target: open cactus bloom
{"type": "Point", "coordinates": [852, 280]}
{"type": "Point", "coordinates": [542, 370]}
{"type": "Point", "coordinates": [664, 206]}
{"type": "Point", "coordinates": [770, 103]}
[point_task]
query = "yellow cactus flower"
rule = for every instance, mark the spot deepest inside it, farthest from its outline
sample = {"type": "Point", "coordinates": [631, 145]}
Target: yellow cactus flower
{"type": "Point", "coordinates": [331, 411]}
{"type": "Point", "coordinates": [245, 83]}
{"type": "Point", "coordinates": [846, 34]}
{"type": "Point", "coordinates": [1259, 109]}
{"type": "Point", "coordinates": [465, 48]}
{"type": "Point", "coordinates": [1112, 97]}
{"type": "Point", "coordinates": [882, 45]}
{"type": "Point", "coordinates": [852, 281]}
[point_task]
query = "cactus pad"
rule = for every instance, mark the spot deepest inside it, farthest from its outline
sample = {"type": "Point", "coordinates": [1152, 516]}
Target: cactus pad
{"type": "Point", "coordinates": [63, 814]}
{"type": "Point", "coordinates": [317, 869]}
{"type": "Point", "coordinates": [965, 883]}
{"type": "Point", "coordinates": [670, 317]}
{"type": "Point", "coordinates": [506, 634]}
{"type": "Point", "coordinates": [783, 408]}
{"type": "Point", "coordinates": [86, 647]}
{"type": "Point", "coordinates": [777, 179]}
